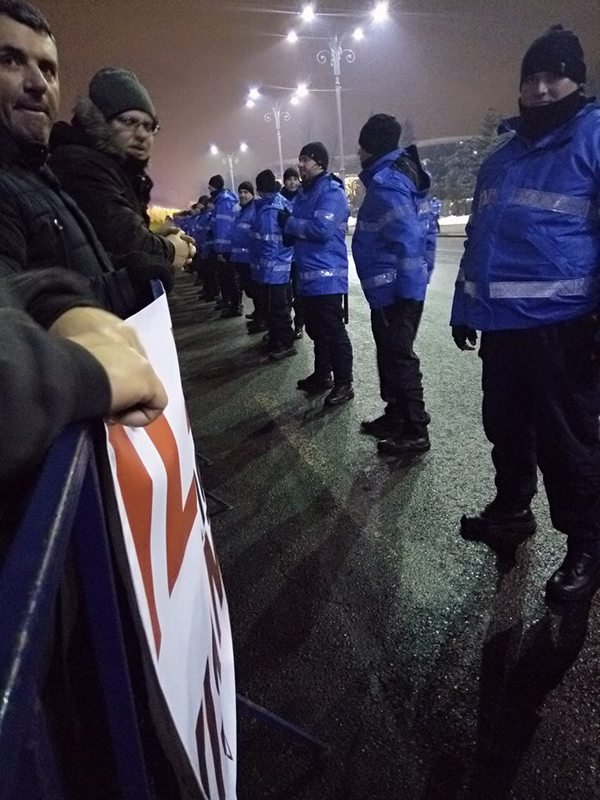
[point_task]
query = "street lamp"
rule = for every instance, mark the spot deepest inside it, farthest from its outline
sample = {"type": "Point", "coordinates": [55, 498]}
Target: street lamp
{"type": "Point", "coordinates": [230, 160]}
{"type": "Point", "coordinates": [278, 113]}
{"type": "Point", "coordinates": [334, 54]}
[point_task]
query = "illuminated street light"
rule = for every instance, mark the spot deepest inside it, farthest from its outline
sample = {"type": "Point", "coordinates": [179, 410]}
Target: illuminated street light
{"type": "Point", "coordinates": [292, 37]}
{"type": "Point", "coordinates": [308, 13]}
{"type": "Point", "coordinates": [277, 114]}
{"type": "Point", "coordinates": [302, 90]}
{"type": "Point", "coordinates": [380, 12]}
{"type": "Point", "coordinates": [229, 160]}
{"type": "Point", "coordinates": [358, 34]}
{"type": "Point", "coordinates": [250, 103]}
{"type": "Point", "coordinates": [294, 100]}
{"type": "Point", "coordinates": [253, 94]}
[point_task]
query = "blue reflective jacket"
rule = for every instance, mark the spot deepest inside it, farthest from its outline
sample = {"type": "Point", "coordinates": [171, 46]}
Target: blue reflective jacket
{"type": "Point", "coordinates": [394, 240]}
{"type": "Point", "coordinates": [221, 221]}
{"type": "Point", "coordinates": [241, 236]}
{"type": "Point", "coordinates": [318, 225]}
{"type": "Point", "coordinates": [532, 255]}
{"type": "Point", "coordinates": [271, 259]}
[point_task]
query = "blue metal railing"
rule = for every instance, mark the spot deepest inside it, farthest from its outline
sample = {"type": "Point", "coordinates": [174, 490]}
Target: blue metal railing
{"type": "Point", "coordinates": [64, 520]}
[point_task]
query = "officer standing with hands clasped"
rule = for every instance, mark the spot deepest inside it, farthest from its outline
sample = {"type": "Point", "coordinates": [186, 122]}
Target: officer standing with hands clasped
{"type": "Point", "coordinates": [317, 228]}
{"type": "Point", "coordinates": [529, 281]}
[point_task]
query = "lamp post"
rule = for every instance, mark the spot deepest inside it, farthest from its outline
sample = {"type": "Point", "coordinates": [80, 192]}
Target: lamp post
{"type": "Point", "coordinates": [230, 160]}
{"type": "Point", "coordinates": [335, 53]}
{"type": "Point", "coordinates": [278, 113]}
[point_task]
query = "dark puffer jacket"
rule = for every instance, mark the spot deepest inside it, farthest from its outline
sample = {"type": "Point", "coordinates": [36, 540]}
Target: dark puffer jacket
{"type": "Point", "coordinates": [111, 189]}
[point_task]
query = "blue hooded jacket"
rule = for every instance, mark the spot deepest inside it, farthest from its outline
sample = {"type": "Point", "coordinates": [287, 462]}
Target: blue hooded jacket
{"type": "Point", "coordinates": [318, 225]}
{"type": "Point", "coordinates": [221, 221]}
{"type": "Point", "coordinates": [272, 261]}
{"type": "Point", "coordinates": [241, 237]}
{"type": "Point", "coordinates": [394, 240]}
{"type": "Point", "coordinates": [532, 255]}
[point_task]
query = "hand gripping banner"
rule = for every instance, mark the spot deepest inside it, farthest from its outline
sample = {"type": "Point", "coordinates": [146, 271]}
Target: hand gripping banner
{"type": "Point", "coordinates": [174, 567]}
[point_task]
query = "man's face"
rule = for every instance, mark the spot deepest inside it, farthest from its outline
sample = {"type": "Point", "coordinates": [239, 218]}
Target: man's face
{"type": "Point", "coordinates": [133, 132]}
{"type": "Point", "coordinates": [543, 88]}
{"type": "Point", "coordinates": [363, 155]}
{"type": "Point", "coordinates": [29, 88]}
{"type": "Point", "coordinates": [245, 197]}
{"type": "Point", "coordinates": [308, 168]}
{"type": "Point", "coordinates": [292, 183]}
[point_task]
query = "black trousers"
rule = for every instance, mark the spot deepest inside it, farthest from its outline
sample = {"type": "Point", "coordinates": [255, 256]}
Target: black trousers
{"type": "Point", "coordinates": [212, 286]}
{"type": "Point", "coordinates": [296, 300]}
{"type": "Point", "coordinates": [231, 291]}
{"type": "Point", "coordinates": [277, 308]}
{"type": "Point", "coordinates": [541, 402]}
{"type": "Point", "coordinates": [400, 380]}
{"type": "Point", "coordinates": [324, 318]}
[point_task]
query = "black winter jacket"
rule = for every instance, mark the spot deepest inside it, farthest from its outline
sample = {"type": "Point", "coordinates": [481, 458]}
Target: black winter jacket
{"type": "Point", "coordinates": [41, 227]}
{"type": "Point", "coordinates": [111, 189]}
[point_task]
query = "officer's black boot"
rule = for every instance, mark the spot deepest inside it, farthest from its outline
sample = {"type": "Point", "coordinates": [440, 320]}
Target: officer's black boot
{"type": "Point", "coordinates": [497, 519]}
{"type": "Point", "coordinates": [579, 574]}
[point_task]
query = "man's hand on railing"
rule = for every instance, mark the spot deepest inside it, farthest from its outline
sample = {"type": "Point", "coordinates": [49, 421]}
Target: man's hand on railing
{"type": "Point", "coordinates": [138, 396]}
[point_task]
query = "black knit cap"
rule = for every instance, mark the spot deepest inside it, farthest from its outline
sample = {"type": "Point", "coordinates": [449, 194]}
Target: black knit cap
{"type": "Point", "coordinates": [318, 152]}
{"type": "Point", "coordinates": [216, 182]}
{"type": "Point", "coordinates": [266, 182]}
{"type": "Point", "coordinates": [114, 91]}
{"type": "Point", "coordinates": [291, 172]}
{"type": "Point", "coordinates": [247, 186]}
{"type": "Point", "coordinates": [559, 51]}
{"type": "Point", "coordinates": [380, 134]}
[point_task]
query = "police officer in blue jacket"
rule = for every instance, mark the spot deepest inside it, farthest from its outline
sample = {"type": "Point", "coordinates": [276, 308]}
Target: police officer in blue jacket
{"type": "Point", "coordinates": [240, 246]}
{"type": "Point", "coordinates": [530, 281]}
{"type": "Point", "coordinates": [224, 203]}
{"type": "Point", "coordinates": [394, 248]}
{"type": "Point", "coordinates": [317, 227]}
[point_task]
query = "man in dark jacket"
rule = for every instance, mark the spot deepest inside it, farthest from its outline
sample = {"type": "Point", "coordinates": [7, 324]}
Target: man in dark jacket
{"type": "Point", "coordinates": [101, 159]}
{"type": "Point", "coordinates": [41, 225]}
{"type": "Point", "coordinates": [291, 191]}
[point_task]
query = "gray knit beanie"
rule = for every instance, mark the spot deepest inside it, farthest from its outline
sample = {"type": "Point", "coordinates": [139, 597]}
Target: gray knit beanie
{"type": "Point", "coordinates": [115, 90]}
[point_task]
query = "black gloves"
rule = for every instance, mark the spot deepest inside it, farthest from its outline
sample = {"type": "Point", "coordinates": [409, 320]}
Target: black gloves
{"type": "Point", "coordinates": [141, 268]}
{"type": "Point", "coordinates": [282, 218]}
{"type": "Point", "coordinates": [464, 338]}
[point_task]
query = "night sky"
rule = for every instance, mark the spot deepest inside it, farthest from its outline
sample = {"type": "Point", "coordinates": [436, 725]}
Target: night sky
{"type": "Point", "coordinates": [439, 63]}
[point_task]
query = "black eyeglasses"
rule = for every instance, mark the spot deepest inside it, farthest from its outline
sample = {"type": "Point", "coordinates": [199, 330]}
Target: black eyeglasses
{"type": "Point", "coordinates": [150, 127]}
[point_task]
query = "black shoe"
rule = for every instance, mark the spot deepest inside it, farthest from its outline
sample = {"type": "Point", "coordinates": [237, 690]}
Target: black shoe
{"type": "Point", "coordinates": [578, 576]}
{"type": "Point", "coordinates": [384, 427]}
{"type": "Point", "coordinates": [278, 353]}
{"type": "Point", "coordinates": [340, 394]}
{"type": "Point", "coordinates": [496, 520]}
{"type": "Point", "coordinates": [227, 313]}
{"type": "Point", "coordinates": [315, 384]}
{"type": "Point", "coordinates": [401, 444]}
{"type": "Point", "coordinates": [256, 326]}
{"type": "Point", "coordinates": [298, 333]}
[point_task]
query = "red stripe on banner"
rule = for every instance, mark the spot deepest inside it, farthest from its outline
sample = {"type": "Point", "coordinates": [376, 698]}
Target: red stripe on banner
{"type": "Point", "coordinates": [180, 517]}
{"type": "Point", "coordinates": [136, 489]}
{"type": "Point", "coordinates": [211, 720]}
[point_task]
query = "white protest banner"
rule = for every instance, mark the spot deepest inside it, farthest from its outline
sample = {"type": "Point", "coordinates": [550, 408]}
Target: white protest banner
{"type": "Point", "coordinates": [174, 567]}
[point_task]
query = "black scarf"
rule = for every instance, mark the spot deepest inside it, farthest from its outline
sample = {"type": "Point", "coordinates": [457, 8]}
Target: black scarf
{"type": "Point", "coordinates": [536, 121]}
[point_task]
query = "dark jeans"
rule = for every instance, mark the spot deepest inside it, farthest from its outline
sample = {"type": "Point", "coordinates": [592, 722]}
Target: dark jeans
{"type": "Point", "coordinates": [324, 317]}
{"type": "Point", "coordinates": [541, 402]}
{"type": "Point", "coordinates": [212, 286]}
{"type": "Point", "coordinates": [281, 333]}
{"type": "Point", "coordinates": [243, 277]}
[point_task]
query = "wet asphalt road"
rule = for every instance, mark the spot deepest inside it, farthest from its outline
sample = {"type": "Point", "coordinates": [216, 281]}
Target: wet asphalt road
{"type": "Point", "coordinates": [430, 666]}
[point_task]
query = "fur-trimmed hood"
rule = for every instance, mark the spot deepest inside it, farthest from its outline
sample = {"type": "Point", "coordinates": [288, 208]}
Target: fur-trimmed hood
{"type": "Point", "coordinates": [87, 127]}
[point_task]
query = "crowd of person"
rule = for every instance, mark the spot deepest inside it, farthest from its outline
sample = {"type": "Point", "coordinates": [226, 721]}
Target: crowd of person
{"type": "Point", "coordinates": [74, 200]}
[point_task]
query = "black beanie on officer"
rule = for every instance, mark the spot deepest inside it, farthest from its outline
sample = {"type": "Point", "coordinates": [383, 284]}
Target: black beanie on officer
{"type": "Point", "coordinates": [114, 91]}
{"type": "Point", "coordinates": [559, 51]}
{"type": "Point", "coordinates": [246, 186]}
{"type": "Point", "coordinates": [266, 182]}
{"type": "Point", "coordinates": [216, 183]}
{"type": "Point", "coordinates": [318, 152]}
{"type": "Point", "coordinates": [380, 134]}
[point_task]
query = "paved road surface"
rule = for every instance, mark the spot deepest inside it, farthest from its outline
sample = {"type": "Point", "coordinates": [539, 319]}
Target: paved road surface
{"type": "Point", "coordinates": [431, 666]}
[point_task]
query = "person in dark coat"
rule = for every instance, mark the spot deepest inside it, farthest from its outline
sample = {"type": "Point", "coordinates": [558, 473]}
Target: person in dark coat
{"type": "Point", "coordinates": [41, 225]}
{"type": "Point", "coordinates": [291, 191]}
{"type": "Point", "coordinates": [101, 159]}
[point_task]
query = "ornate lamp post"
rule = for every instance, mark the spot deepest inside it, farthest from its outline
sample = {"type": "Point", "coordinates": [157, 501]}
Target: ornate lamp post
{"type": "Point", "coordinates": [229, 160]}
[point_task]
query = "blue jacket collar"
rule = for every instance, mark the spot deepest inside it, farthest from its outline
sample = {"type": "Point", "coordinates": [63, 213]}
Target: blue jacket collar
{"type": "Point", "coordinates": [383, 161]}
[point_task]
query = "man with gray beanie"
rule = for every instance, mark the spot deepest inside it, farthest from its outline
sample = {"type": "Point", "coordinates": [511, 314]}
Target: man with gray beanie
{"type": "Point", "coordinates": [529, 280]}
{"type": "Point", "coordinates": [101, 160]}
{"type": "Point", "coordinates": [394, 248]}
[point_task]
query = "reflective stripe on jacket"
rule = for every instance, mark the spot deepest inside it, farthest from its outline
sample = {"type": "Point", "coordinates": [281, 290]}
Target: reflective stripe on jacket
{"type": "Point", "coordinates": [221, 221]}
{"type": "Point", "coordinates": [532, 255]}
{"type": "Point", "coordinates": [394, 240]}
{"type": "Point", "coordinates": [318, 224]}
